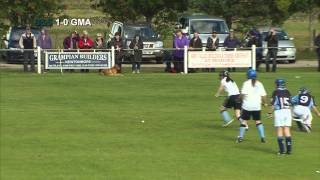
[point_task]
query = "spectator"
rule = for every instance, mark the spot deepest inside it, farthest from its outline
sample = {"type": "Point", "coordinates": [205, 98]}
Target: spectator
{"type": "Point", "coordinates": [230, 43]}
{"type": "Point", "coordinates": [99, 42]}
{"type": "Point", "coordinates": [137, 46]}
{"type": "Point", "coordinates": [70, 43]}
{"type": "Point", "coordinates": [212, 45]}
{"type": "Point", "coordinates": [178, 43]}
{"type": "Point", "coordinates": [44, 42]}
{"type": "Point", "coordinates": [272, 43]}
{"type": "Point", "coordinates": [255, 39]}
{"type": "Point", "coordinates": [117, 43]}
{"type": "Point", "coordinates": [85, 42]}
{"type": "Point", "coordinates": [317, 43]}
{"type": "Point", "coordinates": [28, 41]}
{"type": "Point", "coordinates": [213, 41]}
{"type": "Point", "coordinates": [167, 58]}
{"type": "Point", "coordinates": [195, 43]}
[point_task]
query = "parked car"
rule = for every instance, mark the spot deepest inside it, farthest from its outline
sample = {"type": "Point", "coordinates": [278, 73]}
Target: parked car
{"type": "Point", "coordinates": [12, 42]}
{"type": "Point", "coordinates": [286, 47]}
{"type": "Point", "coordinates": [205, 25]}
{"type": "Point", "coordinates": [151, 42]}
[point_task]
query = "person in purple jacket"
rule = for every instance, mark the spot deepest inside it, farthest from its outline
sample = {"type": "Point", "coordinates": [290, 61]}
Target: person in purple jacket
{"type": "Point", "coordinates": [44, 41]}
{"type": "Point", "coordinates": [230, 43]}
{"type": "Point", "coordinates": [70, 44]}
{"type": "Point", "coordinates": [178, 43]}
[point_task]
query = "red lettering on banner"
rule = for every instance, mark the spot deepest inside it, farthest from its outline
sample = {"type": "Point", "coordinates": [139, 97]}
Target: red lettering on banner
{"type": "Point", "coordinates": [207, 59]}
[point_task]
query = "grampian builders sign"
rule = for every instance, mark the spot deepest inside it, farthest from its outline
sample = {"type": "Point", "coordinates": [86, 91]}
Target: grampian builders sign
{"type": "Point", "coordinates": [78, 60]}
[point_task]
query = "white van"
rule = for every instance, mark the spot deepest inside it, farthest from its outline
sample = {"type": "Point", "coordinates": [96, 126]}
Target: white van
{"type": "Point", "coordinates": [205, 25]}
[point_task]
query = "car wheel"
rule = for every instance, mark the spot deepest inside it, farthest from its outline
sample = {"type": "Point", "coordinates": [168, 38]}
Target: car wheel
{"type": "Point", "coordinates": [159, 60]}
{"type": "Point", "coordinates": [9, 59]}
{"type": "Point", "coordinates": [292, 61]}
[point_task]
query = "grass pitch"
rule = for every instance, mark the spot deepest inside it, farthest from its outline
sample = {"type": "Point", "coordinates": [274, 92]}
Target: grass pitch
{"type": "Point", "coordinates": [86, 126]}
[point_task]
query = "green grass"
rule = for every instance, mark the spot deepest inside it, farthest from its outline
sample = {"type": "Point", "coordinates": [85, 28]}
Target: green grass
{"type": "Point", "coordinates": [299, 30]}
{"type": "Point", "coordinates": [86, 126]}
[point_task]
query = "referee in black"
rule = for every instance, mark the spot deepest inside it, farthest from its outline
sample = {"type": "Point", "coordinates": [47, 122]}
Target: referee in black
{"type": "Point", "coordinates": [28, 42]}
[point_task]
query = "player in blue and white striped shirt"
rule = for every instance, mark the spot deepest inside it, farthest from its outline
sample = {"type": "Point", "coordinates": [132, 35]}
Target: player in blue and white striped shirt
{"type": "Point", "coordinates": [281, 105]}
{"type": "Point", "coordinates": [303, 104]}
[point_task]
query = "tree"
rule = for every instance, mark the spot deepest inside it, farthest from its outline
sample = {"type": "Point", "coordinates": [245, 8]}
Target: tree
{"type": "Point", "coordinates": [120, 10]}
{"type": "Point", "coordinates": [164, 22]}
{"type": "Point", "coordinates": [311, 7]}
{"type": "Point", "coordinates": [149, 8]}
{"type": "Point", "coordinates": [125, 10]}
{"type": "Point", "coordinates": [23, 12]}
{"type": "Point", "coordinates": [233, 9]}
{"type": "Point", "coordinates": [247, 11]}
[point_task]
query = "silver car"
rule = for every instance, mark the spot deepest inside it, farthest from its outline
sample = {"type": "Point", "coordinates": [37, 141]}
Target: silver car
{"type": "Point", "coordinates": [286, 47]}
{"type": "Point", "coordinates": [205, 25]}
{"type": "Point", "coordinates": [151, 41]}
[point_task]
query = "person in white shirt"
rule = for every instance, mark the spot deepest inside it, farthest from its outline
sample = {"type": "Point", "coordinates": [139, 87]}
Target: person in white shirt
{"type": "Point", "coordinates": [252, 94]}
{"type": "Point", "coordinates": [233, 99]}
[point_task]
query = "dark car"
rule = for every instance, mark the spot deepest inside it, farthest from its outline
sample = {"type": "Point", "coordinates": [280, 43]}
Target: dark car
{"type": "Point", "coordinates": [151, 42]}
{"type": "Point", "coordinates": [12, 43]}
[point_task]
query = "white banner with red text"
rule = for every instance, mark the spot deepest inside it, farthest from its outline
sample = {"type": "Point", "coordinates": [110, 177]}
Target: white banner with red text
{"type": "Point", "coordinates": [219, 59]}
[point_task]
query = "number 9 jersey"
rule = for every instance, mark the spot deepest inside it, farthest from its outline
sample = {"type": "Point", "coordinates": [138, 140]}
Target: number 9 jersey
{"type": "Point", "coordinates": [304, 100]}
{"type": "Point", "coordinates": [281, 101]}
{"type": "Point", "coordinates": [303, 103]}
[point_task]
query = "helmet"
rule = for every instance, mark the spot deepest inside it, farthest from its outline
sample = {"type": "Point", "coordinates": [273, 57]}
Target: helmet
{"type": "Point", "coordinates": [303, 90]}
{"type": "Point", "coordinates": [280, 82]}
{"type": "Point", "coordinates": [224, 73]}
{"type": "Point", "coordinates": [251, 74]}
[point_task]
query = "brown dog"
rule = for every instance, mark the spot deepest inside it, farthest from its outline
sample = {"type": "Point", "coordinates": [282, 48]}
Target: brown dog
{"type": "Point", "coordinates": [114, 71]}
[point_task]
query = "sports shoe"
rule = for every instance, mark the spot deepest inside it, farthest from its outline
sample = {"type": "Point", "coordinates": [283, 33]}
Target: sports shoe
{"type": "Point", "coordinates": [288, 152]}
{"type": "Point", "coordinates": [281, 153]}
{"type": "Point", "coordinates": [138, 72]}
{"type": "Point", "coordinates": [247, 128]}
{"type": "Point", "coordinates": [306, 128]}
{"type": "Point", "coordinates": [263, 140]}
{"type": "Point", "coordinates": [239, 139]}
{"type": "Point", "coordinates": [227, 123]}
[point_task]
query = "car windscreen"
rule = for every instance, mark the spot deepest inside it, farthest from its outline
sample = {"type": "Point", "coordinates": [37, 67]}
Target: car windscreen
{"type": "Point", "coordinates": [281, 35]}
{"type": "Point", "coordinates": [208, 26]}
{"type": "Point", "coordinates": [16, 34]}
{"type": "Point", "coordinates": [131, 31]}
